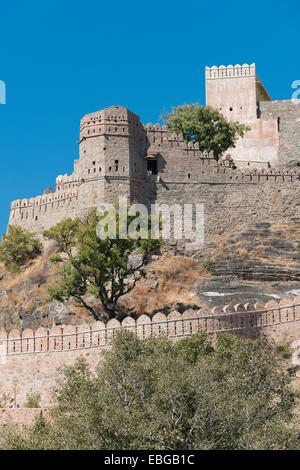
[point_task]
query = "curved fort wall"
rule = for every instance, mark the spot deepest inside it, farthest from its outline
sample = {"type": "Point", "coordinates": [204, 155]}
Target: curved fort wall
{"type": "Point", "coordinates": [29, 359]}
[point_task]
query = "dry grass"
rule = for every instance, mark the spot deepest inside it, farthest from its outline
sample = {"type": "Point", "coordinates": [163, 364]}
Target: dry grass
{"type": "Point", "coordinates": [242, 251]}
{"type": "Point", "coordinates": [34, 268]}
{"type": "Point", "coordinates": [176, 277]}
{"type": "Point", "coordinates": [24, 288]}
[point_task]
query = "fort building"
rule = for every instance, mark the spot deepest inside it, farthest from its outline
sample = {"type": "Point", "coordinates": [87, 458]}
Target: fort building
{"type": "Point", "coordinates": [120, 156]}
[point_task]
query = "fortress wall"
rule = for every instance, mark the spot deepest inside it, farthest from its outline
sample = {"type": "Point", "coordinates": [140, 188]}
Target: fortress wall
{"type": "Point", "coordinates": [231, 204]}
{"type": "Point", "coordinates": [29, 359]}
{"type": "Point", "coordinates": [38, 214]}
{"type": "Point", "coordinates": [259, 146]}
{"type": "Point", "coordinates": [231, 198]}
{"type": "Point", "coordinates": [288, 113]}
{"type": "Point", "coordinates": [92, 157]}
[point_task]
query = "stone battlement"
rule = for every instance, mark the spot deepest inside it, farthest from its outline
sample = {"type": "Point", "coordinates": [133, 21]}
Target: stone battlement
{"type": "Point", "coordinates": [229, 318]}
{"type": "Point", "coordinates": [39, 353]}
{"type": "Point", "coordinates": [231, 71]}
{"type": "Point", "coordinates": [118, 156]}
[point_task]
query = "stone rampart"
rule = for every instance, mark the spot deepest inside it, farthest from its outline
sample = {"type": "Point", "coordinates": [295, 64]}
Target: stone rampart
{"type": "Point", "coordinates": [29, 360]}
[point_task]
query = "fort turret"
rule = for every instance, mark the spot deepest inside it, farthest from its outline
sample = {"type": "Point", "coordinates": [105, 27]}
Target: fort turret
{"type": "Point", "coordinates": [236, 92]}
{"type": "Point", "coordinates": [111, 156]}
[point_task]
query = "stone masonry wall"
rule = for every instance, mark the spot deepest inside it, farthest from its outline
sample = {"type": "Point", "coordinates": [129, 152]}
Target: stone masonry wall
{"type": "Point", "coordinates": [114, 150]}
{"type": "Point", "coordinates": [288, 115]}
{"type": "Point", "coordinates": [230, 205]}
{"type": "Point", "coordinates": [234, 91]}
{"type": "Point", "coordinates": [29, 359]}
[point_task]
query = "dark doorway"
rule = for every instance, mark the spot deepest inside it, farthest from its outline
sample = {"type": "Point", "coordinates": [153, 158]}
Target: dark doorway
{"type": "Point", "coordinates": [152, 166]}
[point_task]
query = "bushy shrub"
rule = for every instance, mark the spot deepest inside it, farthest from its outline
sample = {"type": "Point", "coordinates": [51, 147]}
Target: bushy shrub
{"type": "Point", "coordinates": [164, 395]}
{"type": "Point", "coordinates": [18, 247]}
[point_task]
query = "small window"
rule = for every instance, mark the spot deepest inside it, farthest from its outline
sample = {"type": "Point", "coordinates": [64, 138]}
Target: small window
{"type": "Point", "coordinates": [189, 175]}
{"type": "Point", "coordinates": [230, 109]}
{"type": "Point", "coordinates": [152, 167]}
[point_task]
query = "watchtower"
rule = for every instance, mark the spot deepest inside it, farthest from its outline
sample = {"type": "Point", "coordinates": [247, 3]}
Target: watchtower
{"type": "Point", "coordinates": [236, 91]}
{"type": "Point", "coordinates": [111, 155]}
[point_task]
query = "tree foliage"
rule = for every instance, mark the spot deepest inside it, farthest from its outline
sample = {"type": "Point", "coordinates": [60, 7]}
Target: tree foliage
{"type": "Point", "coordinates": [101, 267]}
{"type": "Point", "coordinates": [157, 394]}
{"type": "Point", "coordinates": [206, 126]}
{"type": "Point", "coordinates": [18, 246]}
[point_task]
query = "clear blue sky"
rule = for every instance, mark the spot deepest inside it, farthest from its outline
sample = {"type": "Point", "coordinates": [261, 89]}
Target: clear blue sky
{"type": "Point", "coordinates": [63, 59]}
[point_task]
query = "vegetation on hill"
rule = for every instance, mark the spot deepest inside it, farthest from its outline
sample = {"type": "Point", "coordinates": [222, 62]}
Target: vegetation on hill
{"type": "Point", "coordinates": [157, 394]}
{"type": "Point", "coordinates": [101, 267]}
{"type": "Point", "coordinates": [17, 247]}
{"type": "Point", "coordinates": [206, 126]}
{"type": "Point", "coordinates": [169, 283]}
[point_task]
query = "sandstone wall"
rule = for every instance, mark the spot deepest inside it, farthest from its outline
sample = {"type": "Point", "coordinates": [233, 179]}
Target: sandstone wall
{"type": "Point", "coordinates": [230, 205]}
{"type": "Point", "coordinates": [287, 114]}
{"type": "Point", "coordinates": [29, 359]}
{"type": "Point", "coordinates": [234, 92]}
{"type": "Point", "coordinates": [115, 148]}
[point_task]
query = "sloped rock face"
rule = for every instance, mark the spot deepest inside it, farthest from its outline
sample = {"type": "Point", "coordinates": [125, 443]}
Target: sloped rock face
{"type": "Point", "coordinates": [260, 262]}
{"type": "Point", "coordinates": [261, 252]}
{"type": "Point", "coordinates": [224, 290]}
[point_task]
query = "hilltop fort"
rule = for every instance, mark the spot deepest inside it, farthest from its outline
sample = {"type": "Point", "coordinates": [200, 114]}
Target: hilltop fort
{"type": "Point", "coordinates": [119, 156]}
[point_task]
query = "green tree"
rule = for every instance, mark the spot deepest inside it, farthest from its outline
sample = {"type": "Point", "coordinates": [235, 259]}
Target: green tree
{"type": "Point", "coordinates": [101, 267]}
{"type": "Point", "coordinates": [206, 126]}
{"type": "Point", "coordinates": [158, 394]}
{"type": "Point", "coordinates": [18, 246]}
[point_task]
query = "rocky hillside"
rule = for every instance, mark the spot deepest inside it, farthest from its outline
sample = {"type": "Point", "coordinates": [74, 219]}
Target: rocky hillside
{"type": "Point", "coordinates": [168, 280]}
{"type": "Point", "coordinates": [258, 263]}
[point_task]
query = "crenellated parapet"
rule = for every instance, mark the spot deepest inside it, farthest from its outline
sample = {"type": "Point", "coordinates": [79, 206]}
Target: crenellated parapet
{"type": "Point", "coordinates": [115, 120]}
{"type": "Point", "coordinates": [125, 155]}
{"type": "Point", "coordinates": [45, 199]}
{"type": "Point", "coordinates": [66, 182]}
{"type": "Point", "coordinates": [231, 71]}
{"type": "Point", "coordinates": [230, 318]}
{"type": "Point", "coordinates": [31, 358]}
